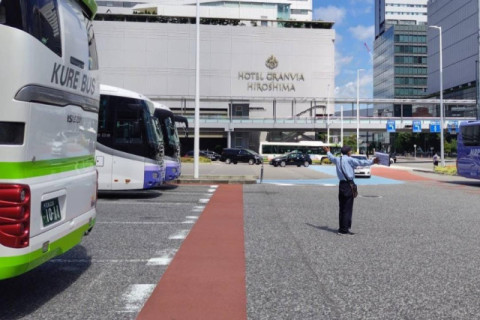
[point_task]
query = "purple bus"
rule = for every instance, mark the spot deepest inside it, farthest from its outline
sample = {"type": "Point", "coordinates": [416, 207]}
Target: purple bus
{"type": "Point", "coordinates": [468, 150]}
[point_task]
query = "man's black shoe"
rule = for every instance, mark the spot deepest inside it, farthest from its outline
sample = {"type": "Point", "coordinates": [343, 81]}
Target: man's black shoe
{"type": "Point", "coordinates": [345, 233]}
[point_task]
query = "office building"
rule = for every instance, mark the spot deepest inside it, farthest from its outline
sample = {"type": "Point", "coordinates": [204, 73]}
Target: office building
{"type": "Point", "coordinates": [400, 55]}
{"type": "Point", "coordinates": [459, 22]}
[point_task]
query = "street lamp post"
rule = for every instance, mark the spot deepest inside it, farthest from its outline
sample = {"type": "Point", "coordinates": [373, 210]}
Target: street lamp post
{"type": "Point", "coordinates": [442, 153]}
{"type": "Point", "coordinates": [358, 109]}
{"type": "Point", "coordinates": [196, 136]}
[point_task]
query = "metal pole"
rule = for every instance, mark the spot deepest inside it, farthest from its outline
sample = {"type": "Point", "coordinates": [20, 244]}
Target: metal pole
{"type": "Point", "coordinates": [341, 125]}
{"type": "Point", "coordinates": [196, 140]}
{"type": "Point", "coordinates": [442, 153]}
{"type": "Point", "coordinates": [328, 115]}
{"type": "Point", "coordinates": [358, 110]}
{"type": "Point", "coordinates": [442, 111]}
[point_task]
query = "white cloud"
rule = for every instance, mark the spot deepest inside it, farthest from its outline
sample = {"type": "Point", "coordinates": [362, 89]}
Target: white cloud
{"type": "Point", "coordinates": [341, 61]}
{"type": "Point", "coordinates": [363, 33]}
{"type": "Point", "coordinates": [330, 13]}
{"type": "Point", "coordinates": [349, 90]}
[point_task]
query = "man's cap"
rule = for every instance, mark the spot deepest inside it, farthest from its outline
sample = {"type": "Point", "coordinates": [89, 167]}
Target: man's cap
{"type": "Point", "coordinates": [346, 149]}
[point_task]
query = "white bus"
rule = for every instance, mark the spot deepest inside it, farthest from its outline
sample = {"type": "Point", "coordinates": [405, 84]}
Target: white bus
{"type": "Point", "coordinates": [49, 101]}
{"type": "Point", "coordinates": [130, 148]}
{"type": "Point", "coordinates": [167, 123]}
{"type": "Point", "coordinates": [269, 150]}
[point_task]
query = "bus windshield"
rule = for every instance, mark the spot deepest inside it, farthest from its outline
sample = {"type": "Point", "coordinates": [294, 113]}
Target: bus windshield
{"type": "Point", "coordinates": [126, 124]}
{"type": "Point", "coordinates": [468, 150]}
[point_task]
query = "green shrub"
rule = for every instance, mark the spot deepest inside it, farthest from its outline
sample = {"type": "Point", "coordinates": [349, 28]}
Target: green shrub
{"type": "Point", "coordinates": [190, 160]}
{"type": "Point", "coordinates": [448, 170]}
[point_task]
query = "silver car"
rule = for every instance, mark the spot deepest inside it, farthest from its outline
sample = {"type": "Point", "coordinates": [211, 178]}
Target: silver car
{"type": "Point", "coordinates": [362, 171]}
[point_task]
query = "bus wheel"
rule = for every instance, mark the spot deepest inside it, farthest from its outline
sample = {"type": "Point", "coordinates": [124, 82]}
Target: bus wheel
{"type": "Point", "coordinates": [228, 161]}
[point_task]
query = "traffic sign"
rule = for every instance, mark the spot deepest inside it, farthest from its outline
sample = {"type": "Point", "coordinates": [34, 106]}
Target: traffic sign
{"type": "Point", "coordinates": [435, 127]}
{"type": "Point", "coordinates": [417, 126]}
{"type": "Point", "coordinates": [391, 126]}
{"type": "Point", "coordinates": [453, 127]}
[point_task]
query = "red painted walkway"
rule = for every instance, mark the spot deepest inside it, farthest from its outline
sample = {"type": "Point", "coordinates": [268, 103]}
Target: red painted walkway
{"type": "Point", "coordinates": [206, 279]}
{"type": "Point", "coordinates": [402, 175]}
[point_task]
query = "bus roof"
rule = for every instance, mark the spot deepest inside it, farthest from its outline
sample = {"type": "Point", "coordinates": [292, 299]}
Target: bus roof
{"type": "Point", "coordinates": [115, 91]}
{"type": "Point", "coordinates": [91, 6]}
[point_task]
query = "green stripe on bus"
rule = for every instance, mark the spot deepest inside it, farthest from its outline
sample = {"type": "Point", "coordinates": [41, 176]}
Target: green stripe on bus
{"type": "Point", "coordinates": [16, 265]}
{"type": "Point", "coordinates": [31, 169]}
{"type": "Point", "coordinates": [92, 6]}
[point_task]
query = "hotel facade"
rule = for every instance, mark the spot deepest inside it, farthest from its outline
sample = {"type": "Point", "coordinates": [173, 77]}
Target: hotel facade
{"type": "Point", "coordinates": [250, 66]}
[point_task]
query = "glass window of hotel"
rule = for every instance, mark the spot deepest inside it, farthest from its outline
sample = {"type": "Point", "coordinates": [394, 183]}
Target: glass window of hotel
{"type": "Point", "coordinates": [37, 17]}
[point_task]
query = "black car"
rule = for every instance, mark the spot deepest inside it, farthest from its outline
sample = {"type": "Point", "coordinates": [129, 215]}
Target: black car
{"type": "Point", "coordinates": [235, 155]}
{"type": "Point", "coordinates": [292, 158]}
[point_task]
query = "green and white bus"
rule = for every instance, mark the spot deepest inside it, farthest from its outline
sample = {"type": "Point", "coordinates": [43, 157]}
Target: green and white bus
{"type": "Point", "coordinates": [49, 100]}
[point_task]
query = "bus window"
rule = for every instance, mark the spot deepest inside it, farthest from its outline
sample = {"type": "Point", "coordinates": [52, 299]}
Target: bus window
{"type": "Point", "coordinates": [12, 133]}
{"type": "Point", "coordinates": [37, 17]}
{"type": "Point", "coordinates": [471, 135]}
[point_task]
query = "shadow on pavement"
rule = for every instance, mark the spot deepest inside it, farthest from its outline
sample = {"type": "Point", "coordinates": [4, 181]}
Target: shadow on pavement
{"type": "Point", "coordinates": [39, 286]}
{"type": "Point", "coordinates": [129, 194]}
{"type": "Point", "coordinates": [473, 183]}
{"type": "Point", "coordinates": [323, 228]}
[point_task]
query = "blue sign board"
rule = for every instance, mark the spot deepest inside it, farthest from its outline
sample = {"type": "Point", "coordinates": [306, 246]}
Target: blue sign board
{"type": "Point", "coordinates": [453, 127]}
{"type": "Point", "coordinates": [435, 127]}
{"type": "Point", "coordinates": [417, 126]}
{"type": "Point", "coordinates": [391, 126]}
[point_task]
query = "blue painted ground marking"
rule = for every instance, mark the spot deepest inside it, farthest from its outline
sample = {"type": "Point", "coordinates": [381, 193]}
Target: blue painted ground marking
{"type": "Point", "coordinates": [330, 170]}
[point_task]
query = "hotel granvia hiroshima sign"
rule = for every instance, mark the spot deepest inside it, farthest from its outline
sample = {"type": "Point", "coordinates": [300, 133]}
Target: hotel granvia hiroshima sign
{"type": "Point", "coordinates": [271, 81]}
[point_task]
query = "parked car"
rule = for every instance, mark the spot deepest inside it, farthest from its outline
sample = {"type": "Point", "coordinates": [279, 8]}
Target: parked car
{"type": "Point", "coordinates": [362, 171]}
{"type": "Point", "coordinates": [235, 155]}
{"type": "Point", "coordinates": [292, 158]}
{"type": "Point", "coordinates": [204, 153]}
{"type": "Point", "coordinates": [211, 154]}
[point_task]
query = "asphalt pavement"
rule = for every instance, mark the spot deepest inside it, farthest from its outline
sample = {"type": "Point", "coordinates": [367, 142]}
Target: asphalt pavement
{"type": "Point", "coordinates": [415, 254]}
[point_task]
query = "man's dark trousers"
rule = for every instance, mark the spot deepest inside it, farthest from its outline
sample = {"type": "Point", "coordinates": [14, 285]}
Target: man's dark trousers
{"type": "Point", "coordinates": [345, 199]}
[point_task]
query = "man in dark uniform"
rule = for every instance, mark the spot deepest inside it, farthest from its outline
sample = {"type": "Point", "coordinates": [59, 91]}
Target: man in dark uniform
{"type": "Point", "coordinates": [346, 174]}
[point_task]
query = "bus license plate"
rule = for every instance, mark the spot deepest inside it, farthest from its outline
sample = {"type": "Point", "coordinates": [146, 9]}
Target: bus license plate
{"type": "Point", "coordinates": [50, 211]}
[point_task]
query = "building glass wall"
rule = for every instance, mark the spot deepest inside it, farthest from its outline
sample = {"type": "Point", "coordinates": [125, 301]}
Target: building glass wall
{"type": "Point", "coordinates": [400, 67]}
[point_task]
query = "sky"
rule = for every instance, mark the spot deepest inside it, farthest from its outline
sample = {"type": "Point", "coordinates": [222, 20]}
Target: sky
{"type": "Point", "coordinates": [355, 32]}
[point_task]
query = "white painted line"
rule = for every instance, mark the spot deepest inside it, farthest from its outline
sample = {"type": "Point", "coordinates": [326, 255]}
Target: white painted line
{"type": "Point", "coordinates": [137, 222]}
{"type": "Point", "coordinates": [198, 208]}
{"type": "Point", "coordinates": [190, 219]}
{"type": "Point", "coordinates": [151, 203]}
{"type": "Point", "coordinates": [208, 195]}
{"type": "Point", "coordinates": [188, 222]}
{"type": "Point", "coordinates": [203, 200]}
{"type": "Point", "coordinates": [182, 234]}
{"type": "Point", "coordinates": [215, 186]}
{"type": "Point", "coordinates": [135, 297]}
{"type": "Point", "coordinates": [165, 256]}
{"type": "Point", "coordinates": [98, 260]}
{"type": "Point", "coordinates": [212, 190]}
